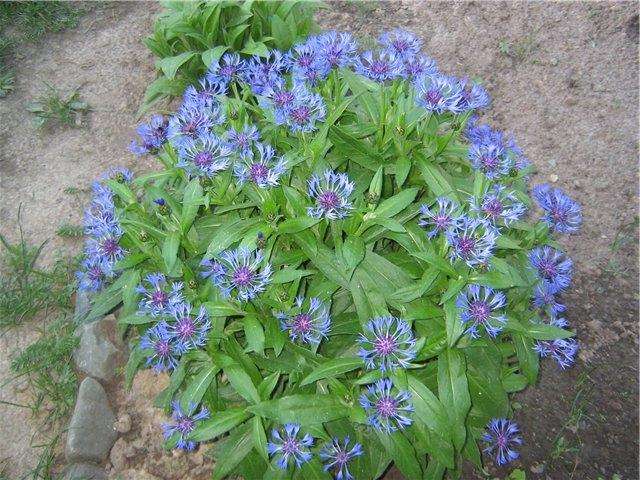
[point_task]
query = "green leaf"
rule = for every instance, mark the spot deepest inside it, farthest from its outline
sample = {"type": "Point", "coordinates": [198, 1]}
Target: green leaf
{"type": "Point", "coordinates": [402, 452]}
{"type": "Point", "coordinates": [295, 225]}
{"type": "Point", "coordinates": [394, 205]}
{"type": "Point", "coordinates": [527, 357]}
{"type": "Point", "coordinates": [254, 334]}
{"type": "Point", "coordinates": [228, 234]}
{"type": "Point", "coordinates": [514, 382]}
{"type": "Point", "coordinates": [267, 385]}
{"type": "Point", "coordinates": [454, 325]}
{"type": "Point", "coordinates": [190, 203]}
{"type": "Point", "coordinates": [255, 48]}
{"type": "Point", "coordinates": [241, 383]}
{"type": "Point", "coordinates": [259, 438]}
{"type": "Point", "coordinates": [136, 357]}
{"type": "Point", "coordinates": [170, 250]}
{"type": "Point", "coordinates": [332, 368]}
{"type": "Point", "coordinates": [454, 392]}
{"type": "Point", "coordinates": [222, 308]}
{"type": "Point", "coordinates": [197, 386]}
{"type": "Point", "coordinates": [436, 261]}
{"type": "Point", "coordinates": [303, 409]}
{"type": "Point", "coordinates": [170, 65]}
{"type": "Point", "coordinates": [436, 180]}
{"type": "Point", "coordinates": [287, 275]}
{"type": "Point", "coordinates": [353, 250]}
{"type": "Point", "coordinates": [108, 299]}
{"type": "Point", "coordinates": [236, 446]}
{"type": "Point", "coordinates": [213, 55]}
{"type": "Point", "coordinates": [221, 422]}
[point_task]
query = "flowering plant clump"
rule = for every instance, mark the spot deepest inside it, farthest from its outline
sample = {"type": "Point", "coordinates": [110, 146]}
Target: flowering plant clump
{"type": "Point", "coordinates": [337, 265]}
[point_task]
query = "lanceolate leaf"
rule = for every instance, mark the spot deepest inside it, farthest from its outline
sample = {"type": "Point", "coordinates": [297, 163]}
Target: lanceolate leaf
{"type": "Point", "coordinates": [454, 392]}
{"type": "Point", "coordinates": [221, 422]}
{"type": "Point", "coordinates": [303, 409]}
{"type": "Point", "coordinates": [332, 368]}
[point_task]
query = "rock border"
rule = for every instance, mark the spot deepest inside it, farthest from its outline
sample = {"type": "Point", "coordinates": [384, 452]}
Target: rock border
{"type": "Point", "coordinates": [93, 429]}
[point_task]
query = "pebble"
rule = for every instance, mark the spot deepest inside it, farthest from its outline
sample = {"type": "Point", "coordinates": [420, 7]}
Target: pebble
{"type": "Point", "coordinates": [84, 471]}
{"type": "Point", "coordinates": [553, 178]}
{"type": "Point", "coordinates": [123, 424]}
{"type": "Point", "coordinates": [96, 356]}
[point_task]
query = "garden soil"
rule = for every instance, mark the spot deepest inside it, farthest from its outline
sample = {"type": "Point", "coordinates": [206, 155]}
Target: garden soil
{"type": "Point", "coordinates": [564, 80]}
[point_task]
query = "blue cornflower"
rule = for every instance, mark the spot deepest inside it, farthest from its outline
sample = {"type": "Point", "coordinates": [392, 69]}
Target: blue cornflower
{"type": "Point", "coordinates": [192, 120]}
{"type": "Point", "coordinates": [106, 247]}
{"type": "Point", "coordinates": [331, 195]}
{"type": "Point", "coordinates": [238, 272]}
{"type": "Point", "coordinates": [387, 343]}
{"type": "Point", "coordinates": [189, 331]}
{"type": "Point", "coordinates": [229, 68]}
{"type": "Point", "coordinates": [100, 216]}
{"type": "Point", "coordinates": [501, 437]}
{"type": "Point", "coordinates": [545, 298]}
{"type": "Point", "coordinates": [439, 218]}
{"type": "Point", "coordinates": [306, 109]}
{"type": "Point", "coordinates": [279, 99]}
{"type": "Point", "coordinates": [563, 350]}
{"type": "Point", "coordinates": [401, 43]}
{"type": "Point", "coordinates": [336, 456]}
{"type": "Point", "coordinates": [479, 308]}
{"type": "Point", "coordinates": [562, 214]}
{"type": "Point", "coordinates": [387, 408]}
{"type": "Point", "coordinates": [379, 66]}
{"type": "Point", "coordinates": [287, 448]}
{"type": "Point", "coordinates": [305, 63]}
{"type": "Point", "coordinates": [498, 206]}
{"type": "Point", "coordinates": [309, 325]}
{"type": "Point", "coordinates": [264, 170]}
{"type": "Point", "coordinates": [242, 141]}
{"type": "Point", "coordinates": [152, 136]}
{"type": "Point", "coordinates": [159, 297]}
{"type": "Point", "coordinates": [264, 73]}
{"type": "Point", "coordinates": [472, 241]}
{"type": "Point", "coordinates": [206, 93]}
{"type": "Point", "coordinates": [491, 159]}
{"type": "Point", "coordinates": [418, 66]}
{"type": "Point", "coordinates": [184, 423]}
{"type": "Point", "coordinates": [94, 274]}
{"type": "Point", "coordinates": [204, 155]}
{"type": "Point", "coordinates": [438, 93]}
{"type": "Point", "coordinates": [336, 50]}
{"type": "Point", "coordinates": [552, 266]}
{"type": "Point", "coordinates": [119, 174]}
{"type": "Point", "coordinates": [162, 354]}
{"type": "Point", "coordinates": [473, 96]}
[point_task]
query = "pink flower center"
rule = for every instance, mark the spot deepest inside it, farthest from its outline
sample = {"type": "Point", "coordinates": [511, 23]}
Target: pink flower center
{"type": "Point", "coordinates": [158, 298]}
{"type": "Point", "coordinates": [258, 172]}
{"type": "Point", "coordinates": [186, 327]}
{"type": "Point", "coordinates": [302, 323]}
{"type": "Point", "coordinates": [386, 406]}
{"type": "Point", "coordinates": [203, 159]}
{"type": "Point", "coordinates": [479, 310]}
{"type": "Point", "coordinates": [385, 345]}
{"type": "Point", "coordinates": [328, 199]}
{"type": "Point", "coordinates": [242, 276]}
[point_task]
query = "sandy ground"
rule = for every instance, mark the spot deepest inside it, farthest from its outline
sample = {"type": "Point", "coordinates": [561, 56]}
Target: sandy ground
{"type": "Point", "coordinates": [568, 91]}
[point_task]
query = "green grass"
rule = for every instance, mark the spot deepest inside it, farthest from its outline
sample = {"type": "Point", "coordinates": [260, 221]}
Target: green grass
{"type": "Point", "coordinates": [66, 230]}
{"type": "Point", "coordinates": [52, 107]}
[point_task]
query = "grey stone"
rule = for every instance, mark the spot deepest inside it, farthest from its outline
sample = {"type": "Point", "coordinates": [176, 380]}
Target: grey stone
{"type": "Point", "coordinates": [123, 424]}
{"type": "Point", "coordinates": [83, 304]}
{"type": "Point", "coordinates": [84, 471]}
{"type": "Point", "coordinates": [96, 355]}
{"type": "Point", "coordinates": [91, 433]}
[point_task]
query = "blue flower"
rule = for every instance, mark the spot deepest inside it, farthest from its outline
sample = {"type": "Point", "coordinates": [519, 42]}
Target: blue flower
{"type": "Point", "coordinates": [204, 155]}
{"type": "Point", "coordinates": [336, 456]}
{"type": "Point", "coordinates": [487, 141]}
{"type": "Point", "coordinates": [379, 66]}
{"type": "Point", "coordinates": [192, 120]}
{"type": "Point", "coordinates": [238, 272]}
{"type": "Point", "coordinates": [387, 343]}
{"type": "Point", "coordinates": [562, 214]}
{"type": "Point", "coordinates": [438, 93]}
{"type": "Point", "coordinates": [441, 218]}
{"type": "Point", "coordinates": [472, 96]}
{"type": "Point", "coordinates": [305, 110]}
{"type": "Point", "coordinates": [106, 247]}
{"type": "Point", "coordinates": [287, 448]}
{"type": "Point", "coordinates": [119, 174]}
{"type": "Point", "coordinates": [472, 241]}
{"type": "Point", "coordinates": [229, 68]}
{"type": "Point", "coordinates": [479, 308]}
{"type": "Point", "coordinates": [207, 94]}
{"type": "Point", "coordinates": [562, 350]}
{"type": "Point", "coordinates": [188, 331]}
{"type": "Point", "coordinates": [162, 353]}
{"type": "Point", "coordinates": [308, 325]}
{"type": "Point", "coordinates": [498, 206]}
{"type": "Point", "coordinates": [491, 159]}
{"type": "Point", "coordinates": [100, 216]}
{"type": "Point", "coordinates": [242, 141]}
{"type": "Point", "coordinates": [418, 66]}
{"type": "Point", "coordinates": [94, 274]}
{"type": "Point", "coordinates": [279, 100]}
{"type": "Point", "coordinates": [160, 297]}
{"type": "Point", "coordinates": [264, 171]}
{"type": "Point", "coordinates": [401, 43]}
{"type": "Point", "coordinates": [552, 266]}
{"type": "Point", "coordinates": [544, 298]}
{"type": "Point", "coordinates": [184, 424]}
{"type": "Point", "coordinates": [152, 136]}
{"type": "Point", "coordinates": [331, 193]}
{"type": "Point", "coordinates": [387, 408]}
{"type": "Point", "coordinates": [501, 437]}
{"type": "Point", "coordinates": [305, 62]}
{"type": "Point", "coordinates": [336, 50]}
{"type": "Point", "coordinates": [264, 73]}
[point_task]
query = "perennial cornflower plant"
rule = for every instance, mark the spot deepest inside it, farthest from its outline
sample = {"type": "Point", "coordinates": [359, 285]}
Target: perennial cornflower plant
{"type": "Point", "coordinates": [338, 252]}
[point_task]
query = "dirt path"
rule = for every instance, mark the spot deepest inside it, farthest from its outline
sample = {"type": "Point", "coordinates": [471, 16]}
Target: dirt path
{"type": "Point", "coordinates": [564, 79]}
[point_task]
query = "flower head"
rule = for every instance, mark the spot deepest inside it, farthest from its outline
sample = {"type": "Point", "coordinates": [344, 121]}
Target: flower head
{"type": "Point", "coordinates": [264, 170]}
{"type": "Point", "coordinates": [306, 109]}
{"type": "Point", "coordinates": [106, 247]}
{"type": "Point", "coordinates": [335, 49]}
{"type": "Point", "coordinates": [158, 296]}
{"type": "Point", "coordinates": [401, 43]}
{"type": "Point", "coordinates": [387, 343]}
{"type": "Point", "coordinates": [192, 120]}
{"type": "Point", "coordinates": [241, 141]}
{"type": "Point", "coordinates": [480, 308]}
{"type": "Point", "coordinates": [206, 93]}
{"type": "Point", "coordinates": [472, 241]}
{"type": "Point", "coordinates": [418, 66]}
{"type": "Point", "coordinates": [287, 448]}
{"type": "Point", "coordinates": [438, 93]}
{"type": "Point", "coordinates": [387, 408]}
{"type": "Point", "coordinates": [439, 218]}
{"type": "Point", "coordinates": [189, 330]}
{"type": "Point", "coordinates": [119, 174]}
{"type": "Point", "coordinates": [307, 325]}
{"type": "Point", "coordinates": [263, 73]}
{"type": "Point", "coordinates": [490, 159]}
{"type": "Point", "coordinates": [184, 422]}
{"type": "Point", "coordinates": [502, 152]}
{"type": "Point", "coordinates": [305, 62]}
{"type": "Point", "coordinates": [473, 96]}
{"type": "Point", "coordinates": [552, 266]}
{"type": "Point", "coordinates": [562, 214]}
{"type": "Point", "coordinates": [379, 66]}
{"type": "Point", "coordinates": [238, 273]}
{"type": "Point", "coordinates": [545, 298]}
{"type": "Point", "coordinates": [100, 216]}
{"type": "Point", "coordinates": [337, 454]}
{"type": "Point", "coordinates": [562, 350]}
{"type": "Point", "coordinates": [204, 156]}
{"type": "Point", "coordinates": [331, 193]}
{"type": "Point", "coordinates": [501, 437]}
{"type": "Point", "coordinates": [278, 99]}
{"type": "Point", "coordinates": [498, 206]}
{"type": "Point", "coordinates": [152, 136]}
{"type": "Point", "coordinates": [158, 341]}
{"type": "Point", "coordinates": [94, 274]}
{"type": "Point", "coordinates": [228, 69]}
